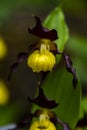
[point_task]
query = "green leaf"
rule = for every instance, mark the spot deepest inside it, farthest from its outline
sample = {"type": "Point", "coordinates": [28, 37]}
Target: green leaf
{"type": "Point", "coordinates": [58, 86]}
{"type": "Point", "coordinates": [55, 20]}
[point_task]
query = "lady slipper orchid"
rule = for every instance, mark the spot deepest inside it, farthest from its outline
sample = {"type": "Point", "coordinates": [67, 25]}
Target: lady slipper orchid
{"type": "Point", "coordinates": [43, 53]}
{"type": "Point", "coordinates": [45, 118]}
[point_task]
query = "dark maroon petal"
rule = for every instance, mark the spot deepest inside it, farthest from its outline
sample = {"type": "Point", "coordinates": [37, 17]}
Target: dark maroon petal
{"type": "Point", "coordinates": [20, 58]}
{"type": "Point", "coordinates": [69, 67]}
{"type": "Point", "coordinates": [42, 101]}
{"type": "Point", "coordinates": [43, 32]}
{"type": "Point", "coordinates": [12, 70]}
{"type": "Point", "coordinates": [66, 127]}
{"type": "Point", "coordinates": [63, 124]}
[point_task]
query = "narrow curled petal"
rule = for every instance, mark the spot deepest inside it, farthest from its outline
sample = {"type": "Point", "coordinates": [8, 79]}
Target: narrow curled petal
{"type": "Point", "coordinates": [20, 58]}
{"type": "Point", "coordinates": [69, 67]}
{"type": "Point", "coordinates": [43, 32]}
{"type": "Point", "coordinates": [42, 101]}
{"type": "Point", "coordinates": [12, 70]}
{"type": "Point", "coordinates": [64, 125]}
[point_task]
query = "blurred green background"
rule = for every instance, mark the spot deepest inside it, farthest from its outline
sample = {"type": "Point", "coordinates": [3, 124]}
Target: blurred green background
{"type": "Point", "coordinates": [15, 18]}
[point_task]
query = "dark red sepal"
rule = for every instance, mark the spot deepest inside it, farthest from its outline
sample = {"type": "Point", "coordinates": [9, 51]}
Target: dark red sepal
{"type": "Point", "coordinates": [42, 101]}
{"type": "Point", "coordinates": [43, 32]}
